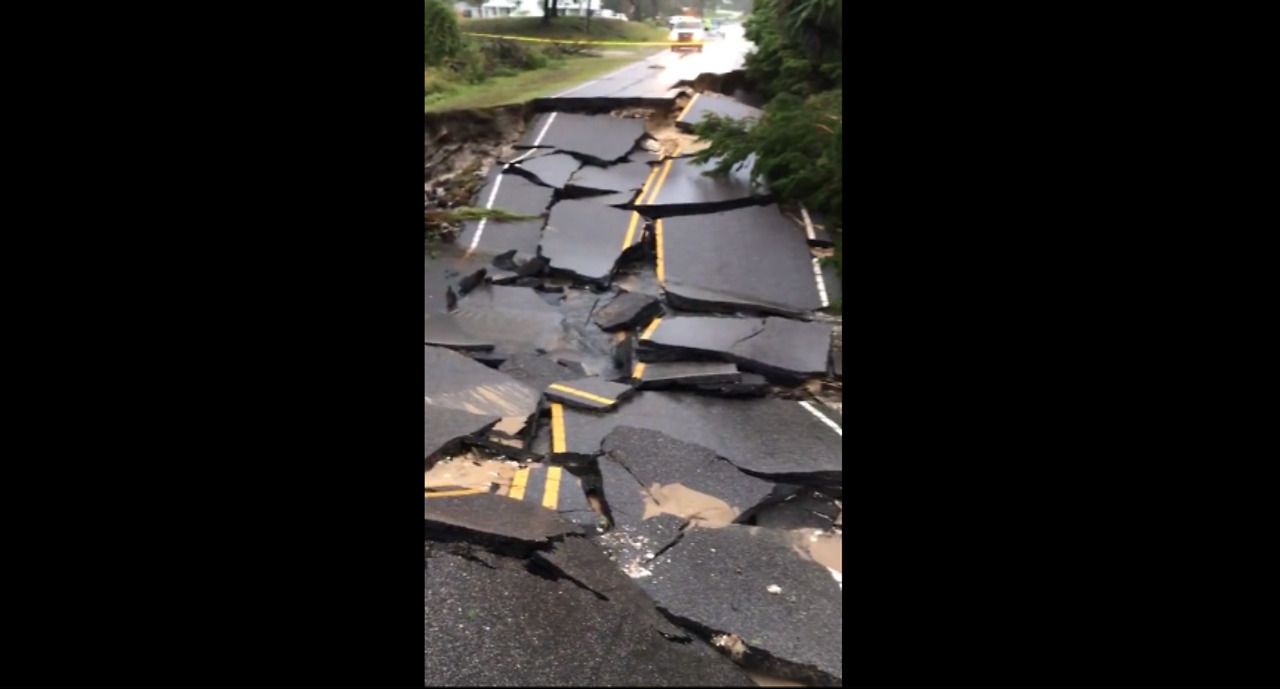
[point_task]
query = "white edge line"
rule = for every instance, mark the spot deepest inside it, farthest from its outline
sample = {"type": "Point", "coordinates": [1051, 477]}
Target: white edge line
{"type": "Point", "coordinates": [822, 417]}
{"type": "Point", "coordinates": [822, 284]}
{"type": "Point", "coordinates": [808, 224]}
{"type": "Point", "coordinates": [475, 241]}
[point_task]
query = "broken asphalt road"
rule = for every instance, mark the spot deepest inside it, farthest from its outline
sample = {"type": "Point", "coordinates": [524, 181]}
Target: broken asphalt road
{"type": "Point", "coordinates": [540, 606]}
{"type": "Point", "coordinates": [771, 438]}
{"type": "Point", "coordinates": [777, 348]}
{"type": "Point", "coordinates": [753, 584]}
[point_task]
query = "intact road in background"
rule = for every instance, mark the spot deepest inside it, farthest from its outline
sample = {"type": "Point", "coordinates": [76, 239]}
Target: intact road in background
{"type": "Point", "coordinates": [654, 77]}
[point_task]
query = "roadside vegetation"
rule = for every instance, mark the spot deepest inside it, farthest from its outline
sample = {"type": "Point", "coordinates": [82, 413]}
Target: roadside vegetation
{"type": "Point", "coordinates": [464, 71]}
{"type": "Point", "coordinates": [798, 140]}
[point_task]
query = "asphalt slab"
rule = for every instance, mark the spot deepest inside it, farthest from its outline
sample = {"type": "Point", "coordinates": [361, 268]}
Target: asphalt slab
{"type": "Point", "coordinates": [685, 183]}
{"type": "Point", "coordinates": [586, 239]}
{"type": "Point", "coordinates": [682, 374]}
{"type": "Point", "coordinates": [594, 393]}
{"type": "Point", "coordinates": [516, 319]}
{"type": "Point", "coordinates": [777, 348]}
{"type": "Point", "coordinates": [743, 259]}
{"type": "Point", "coordinates": [752, 583]}
{"type": "Point", "coordinates": [600, 139]}
{"type": "Point", "coordinates": [549, 169]}
{"type": "Point", "coordinates": [516, 195]}
{"type": "Point", "coordinates": [627, 311]}
{"type": "Point", "coordinates": [653, 457]}
{"type": "Point", "coordinates": [454, 381]}
{"type": "Point", "coordinates": [696, 111]}
{"type": "Point", "coordinates": [445, 426]}
{"type": "Point", "coordinates": [536, 371]}
{"type": "Point", "coordinates": [771, 438]}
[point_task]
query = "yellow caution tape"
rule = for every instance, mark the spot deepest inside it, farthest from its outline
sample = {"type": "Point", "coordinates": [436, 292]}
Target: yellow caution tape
{"type": "Point", "coordinates": [577, 42]}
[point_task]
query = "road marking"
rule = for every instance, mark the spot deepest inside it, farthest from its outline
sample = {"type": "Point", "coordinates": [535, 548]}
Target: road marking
{"type": "Point", "coordinates": [497, 184]}
{"type": "Point", "coordinates": [653, 327]}
{"type": "Point", "coordinates": [808, 224]}
{"type": "Point", "coordinates": [657, 239]}
{"type": "Point", "coordinates": [454, 493]}
{"type": "Point", "coordinates": [637, 371]}
{"type": "Point", "coordinates": [663, 178]}
{"type": "Point", "coordinates": [688, 107]}
{"type": "Point", "coordinates": [581, 393]}
{"type": "Point", "coordinates": [817, 278]}
{"type": "Point", "coordinates": [551, 495]}
{"type": "Point", "coordinates": [635, 217]}
{"type": "Point", "coordinates": [518, 484]}
{"type": "Point", "coordinates": [822, 417]}
{"type": "Point", "coordinates": [558, 442]}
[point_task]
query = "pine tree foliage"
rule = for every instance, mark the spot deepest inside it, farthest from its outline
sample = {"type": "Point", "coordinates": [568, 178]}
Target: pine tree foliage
{"type": "Point", "coordinates": [443, 37]}
{"type": "Point", "coordinates": [798, 140]}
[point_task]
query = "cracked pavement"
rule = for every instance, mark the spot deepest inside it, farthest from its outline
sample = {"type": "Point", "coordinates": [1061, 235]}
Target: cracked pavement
{"type": "Point", "coordinates": [631, 480]}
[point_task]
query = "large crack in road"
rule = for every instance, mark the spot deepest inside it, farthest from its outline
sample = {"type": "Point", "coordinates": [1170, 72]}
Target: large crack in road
{"type": "Point", "coordinates": [632, 402]}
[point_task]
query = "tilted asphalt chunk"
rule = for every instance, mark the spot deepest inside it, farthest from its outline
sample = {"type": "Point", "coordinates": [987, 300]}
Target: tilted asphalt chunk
{"type": "Point", "coordinates": [754, 584]}
{"type": "Point", "coordinates": [592, 393]}
{"type": "Point", "coordinates": [445, 427]}
{"type": "Point", "coordinates": [494, 620]}
{"type": "Point", "coordinates": [453, 381]}
{"type": "Point", "coordinates": [627, 311]}
{"type": "Point", "coordinates": [777, 348]}
{"type": "Point", "coordinates": [586, 239]}
{"type": "Point", "coordinates": [775, 439]}
{"type": "Point", "coordinates": [653, 457]}
{"type": "Point", "coordinates": [535, 370]}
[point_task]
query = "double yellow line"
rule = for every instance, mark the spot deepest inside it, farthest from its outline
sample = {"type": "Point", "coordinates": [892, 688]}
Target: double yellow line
{"type": "Point", "coordinates": [519, 485]}
{"type": "Point", "coordinates": [652, 196]}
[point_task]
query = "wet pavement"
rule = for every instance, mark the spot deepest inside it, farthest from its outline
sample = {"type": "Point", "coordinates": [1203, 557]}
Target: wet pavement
{"type": "Point", "coordinates": [641, 365]}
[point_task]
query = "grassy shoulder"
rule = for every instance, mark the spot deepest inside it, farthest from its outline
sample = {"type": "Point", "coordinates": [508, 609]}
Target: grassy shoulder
{"type": "Point", "coordinates": [559, 75]}
{"type": "Point", "coordinates": [565, 29]}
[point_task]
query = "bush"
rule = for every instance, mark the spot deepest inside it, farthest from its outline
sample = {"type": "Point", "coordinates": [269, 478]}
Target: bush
{"type": "Point", "coordinates": [443, 38]}
{"type": "Point", "coordinates": [797, 146]}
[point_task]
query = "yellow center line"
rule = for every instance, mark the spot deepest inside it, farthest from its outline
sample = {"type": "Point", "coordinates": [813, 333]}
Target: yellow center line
{"type": "Point", "coordinates": [653, 327]}
{"type": "Point", "coordinates": [454, 493]}
{"type": "Point", "coordinates": [657, 240]}
{"type": "Point", "coordinates": [558, 441]}
{"type": "Point", "coordinates": [688, 107]}
{"type": "Point", "coordinates": [551, 496]}
{"type": "Point", "coordinates": [666, 170]}
{"type": "Point", "coordinates": [519, 483]}
{"type": "Point", "coordinates": [635, 217]}
{"type": "Point", "coordinates": [637, 371]}
{"type": "Point", "coordinates": [580, 393]}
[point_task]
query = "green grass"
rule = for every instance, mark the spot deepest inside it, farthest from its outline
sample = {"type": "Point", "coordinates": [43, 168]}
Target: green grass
{"type": "Point", "coordinates": [471, 213]}
{"type": "Point", "coordinates": [565, 29]}
{"type": "Point", "coordinates": [522, 87]}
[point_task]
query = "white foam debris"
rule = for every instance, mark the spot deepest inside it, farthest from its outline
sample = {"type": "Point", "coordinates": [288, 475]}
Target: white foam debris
{"type": "Point", "coordinates": [837, 577]}
{"type": "Point", "coordinates": [774, 588]}
{"type": "Point", "coordinates": [635, 571]}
